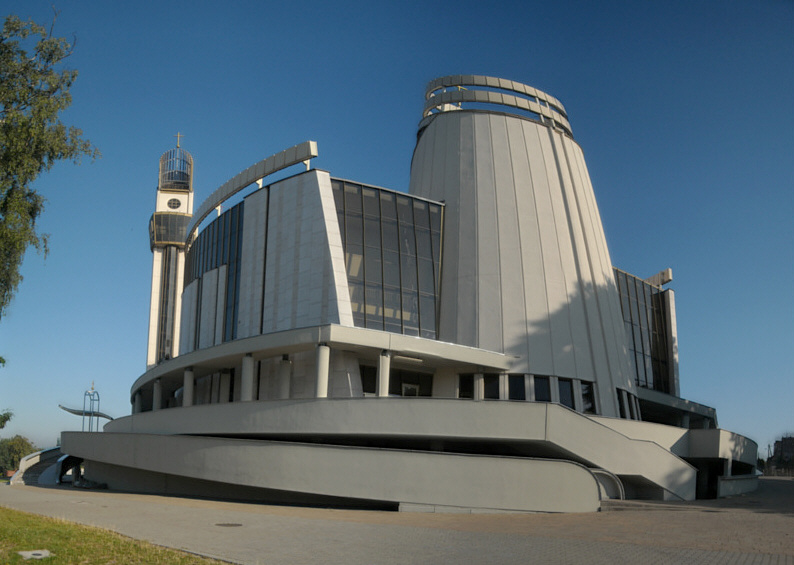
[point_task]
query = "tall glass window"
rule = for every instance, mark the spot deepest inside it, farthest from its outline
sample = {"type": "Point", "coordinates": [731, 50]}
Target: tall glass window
{"type": "Point", "coordinates": [392, 245]}
{"type": "Point", "coordinates": [566, 392]}
{"type": "Point", "coordinates": [645, 322]}
{"type": "Point", "coordinates": [466, 385]}
{"type": "Point", "coordinates": [490, 387]}
{"type": "Point", "coordinates": [542, 389]}
{"type": "Point", "coordinates": [219, 244]}
{"type": "Point", "coordinates": [515, 387]}
{"type": "Point", "coordinates": [588, 398]}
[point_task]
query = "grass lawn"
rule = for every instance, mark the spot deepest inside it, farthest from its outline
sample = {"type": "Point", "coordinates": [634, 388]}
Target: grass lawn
{"type": "Point", "coordinates": [75, 544]}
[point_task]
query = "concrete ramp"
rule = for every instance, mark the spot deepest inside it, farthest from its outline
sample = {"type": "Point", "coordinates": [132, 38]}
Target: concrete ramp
{"type": "Point", "coordinates": [518, 430]}
{"type": "Point", "coordinates": [646, 469]}
{"type": "Point", "coordinates": [427, 481]}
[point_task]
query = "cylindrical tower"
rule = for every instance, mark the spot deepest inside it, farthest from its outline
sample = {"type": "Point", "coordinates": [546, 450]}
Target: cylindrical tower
{"type": "Point", "coordinates": [525, 265]}
{"type": "Point", "coordinates": [167, 232]}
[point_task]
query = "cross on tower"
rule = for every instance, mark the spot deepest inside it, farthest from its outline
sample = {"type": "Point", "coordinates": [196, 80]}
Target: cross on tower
{"type": "Point", "coordinates": [178, 136]}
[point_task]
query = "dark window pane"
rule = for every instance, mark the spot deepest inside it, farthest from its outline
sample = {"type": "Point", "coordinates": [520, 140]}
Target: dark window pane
{"type": "Point", "coordinates": [374, 307]}
{"type": "Point", "coordinates": [369, 379]}
{"type": "Point", "coordinates": [372, 232]}
{"type": "Point", "coordinates": [404, 210]}
{"type": "Point", "coordinates": [387, 206]}
{"type": "Point", "coordinates": [391, 269]}
{"type": "Point", "coordinates": [214, 250]}
{"type": "Point", "coordinates": [515, 386]}
{"type": "Point", "coordinates": [392, 308]}
{"type": "Point", "coordinates": [423, 247]}
{"type": "Point", "coordinates": [436, 240]}
{"type": "Point", "coordinates": [639, 363]}
{"type": "Point", "coordinates": [371, 204]}
{"type": "Point", "coordinates": [357, 298]}
{"type": "Point", "coordinates": [355, 230]}
{"type": "Point", "coordinates": [435, 217]}
{"type": "Point", "coordinates": [407, 240]}
{"type": "Point", "coordinates": [354, 261]}
{"type": "Point", "coordinates": [466, 386]}
{"type": "Point", "coordinates": [421, 217]}
{"type": "Point", "coordinates": [542, 389]}
{"type": "Point", "coordinates": [352, 199]}
{"type": "Point", "coordinates": [410, 383]}
{"type": "Point", "coordinates": [426, 276]}
{"type": "Point", "coordinates": [391, 236]}
{"type": "Point", "coordinates": [227, 233]}
{"type": "Point", "coordinates": [624, 295]}
{"type": "Point", "coordinates": [588, 398]}
{"type": "Point", "coordinates": [410, 313]}
{"type": "Point", "coordinates": [566, 392]}
{"type": "Point", "coordinates": [373, 272]}
{"type": "Point", "coordinates": [427, 313]}
{"type": "Point", "coordinates": [427, 334]}
{"type": "Point", "coordinates": [408, 272]}
{"type": "Point", "coordinates": [491, 387]}
{"type": "Point", "coordinates": [410, 309]}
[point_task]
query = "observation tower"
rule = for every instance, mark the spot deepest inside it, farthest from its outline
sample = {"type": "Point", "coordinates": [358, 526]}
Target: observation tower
{"type": "Point", "coordinates": [167, 231]}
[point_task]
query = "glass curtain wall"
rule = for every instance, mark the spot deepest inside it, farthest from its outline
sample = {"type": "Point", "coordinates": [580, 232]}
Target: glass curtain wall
{"type": "Point", "coordinates": [392, 245]}
{"type": "Point", "coordinates": [645, 322]}
{"type": "Point", "coordinates": [220, 244]}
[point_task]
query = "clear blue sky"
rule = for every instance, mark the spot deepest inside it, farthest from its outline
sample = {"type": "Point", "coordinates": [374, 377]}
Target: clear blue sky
{"type": "Point", "coordinates": [684, 110]}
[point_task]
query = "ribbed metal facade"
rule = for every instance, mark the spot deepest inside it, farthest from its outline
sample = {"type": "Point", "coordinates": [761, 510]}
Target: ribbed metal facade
{"type": "Point", "coordinates": [525, 265]}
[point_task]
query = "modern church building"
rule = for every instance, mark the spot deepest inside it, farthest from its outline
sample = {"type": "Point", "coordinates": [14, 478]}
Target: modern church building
{"type": "Point", "coordinates": [465, 346]}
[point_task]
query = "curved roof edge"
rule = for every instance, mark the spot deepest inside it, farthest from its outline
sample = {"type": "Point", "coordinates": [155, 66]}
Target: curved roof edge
{"type": "Point", "coordinates": [455, 92]}
{"type": "Point", "coordinates": [292, 156]}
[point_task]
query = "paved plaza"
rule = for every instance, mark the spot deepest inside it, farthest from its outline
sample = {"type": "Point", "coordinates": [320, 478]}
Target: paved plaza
{"type": "Point", "coordinates": [749, 529]}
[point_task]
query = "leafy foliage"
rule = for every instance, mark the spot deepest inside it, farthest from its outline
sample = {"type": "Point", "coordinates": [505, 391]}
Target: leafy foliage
{"type": "Point", "coordinates": [4, 418]}
{"type": "Point", "coordinates": [33, 91]}
{"type": "Point", "coordinates": [12, 450]}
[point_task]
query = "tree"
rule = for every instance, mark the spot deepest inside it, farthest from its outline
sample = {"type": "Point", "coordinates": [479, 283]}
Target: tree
{"type": "Point", "coordinates": [4, 418]}
{"type": "Point", "coordinates": [34, 89]}
{"type": "Point", "coordinates": [12, 450]}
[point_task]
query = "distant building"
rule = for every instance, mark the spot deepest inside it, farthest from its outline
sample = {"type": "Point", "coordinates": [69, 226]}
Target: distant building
{"type": "Point", "coordinates": [467, 345]}
{"type": "Point", "coordinates": [783, 454]}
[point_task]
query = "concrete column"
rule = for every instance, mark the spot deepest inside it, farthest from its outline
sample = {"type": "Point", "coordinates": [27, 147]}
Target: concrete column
{"type": "Point", "coordinates": [554, 385]}
{"type": "Point", "coordinates": [157, 395]}
{"type": "Point", "coordinates": [479, 386]}
{"type": "Point", "coordinates": [284, 375]}
{"type": "Point", "coordinates": [188, 387]}
{"type": "Point", "coordinates": [685, 420]}
{"type": "Point", "coordinates": [247, 379]}
{"type": "Point", "coordinates": [384, 368]}
{"type": "Point", "coordinates": [321, 372]}
{"type": "Point", "coordinates": [136, 403]}
{"type": "Point", "coordinates": [726, 469]}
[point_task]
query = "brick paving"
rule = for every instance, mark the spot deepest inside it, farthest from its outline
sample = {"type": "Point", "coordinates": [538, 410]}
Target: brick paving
{"type": "Point", "coordinates": [757, 528]}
